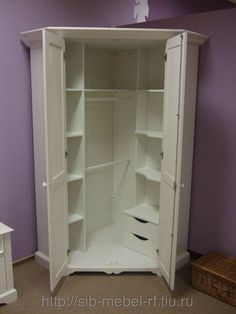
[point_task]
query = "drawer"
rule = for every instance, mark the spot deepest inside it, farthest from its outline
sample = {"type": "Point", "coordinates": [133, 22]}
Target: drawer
{"type": "Point", "coordinates": [1, 245]}
{"type": "Point", "coordinates": [141, 227]}
{"type": "Point", "coordinates": [142, 245]}
{"type": "Point", "coordinates": [3, 278]}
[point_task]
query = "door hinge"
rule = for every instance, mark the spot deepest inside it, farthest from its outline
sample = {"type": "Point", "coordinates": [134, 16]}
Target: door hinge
{"type": "Point", "coordinates": [175, 186]}
{"type": "Point", "coordinates": [162, 154]}
{"type": "Point", "coordinates": [66, 153]}
{"type": "Point", "coordinates": [64, 55]}
{"type": "Point", "coordinates": [68, 252]}
{"type": "Point", "coordinates": [157, 250]}
{"type": "Point", "coordinates": [178, 115]}
{"type": "Point", "coordinates": [165, 57]}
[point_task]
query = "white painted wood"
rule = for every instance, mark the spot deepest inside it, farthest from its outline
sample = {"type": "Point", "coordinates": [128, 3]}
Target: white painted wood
{"type": "Point", "coordinates": [149, 213]}
{"type": "Point", "coordinates": [8, 293]}
{"type": "Point", "coordinates": [150, 133]}
{"type": "Point", "coordinates": [141, 227]}
{"type": "Point", "coordinates": [53, 58]}
{"type": "Point", "coordinates": [144, 246]}
{"type": "Point", "coordinates": [74, 218]}
{"type": "Point", "coordinates": [106, 252]}
{"type": "Point", "coordinates": [185, 151]}
{"type": "Point", "coordinates": [38, 112]}
{"type": "Point", "coordinates": [170, 148]}
{"type": "Point", "coordinates": [73, 177]}
{"type": "Point", "coordinates": [107, 164]}
{"type": "Point", "coordinates": [114, 128]}
{"type": "Point", "coordinates": [150, 174]}
{"type": "Point", "coordinates": [42, 259]}
{"type": "Point", "coordinates": [75, 67]}
{"type": "Point", "coordinates": [95, 36]}
{"type": "Point", "coordinates": [74, 134]}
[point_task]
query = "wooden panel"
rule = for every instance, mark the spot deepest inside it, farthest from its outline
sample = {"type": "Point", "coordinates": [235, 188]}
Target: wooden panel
{"type": "Point", "coordinates": [141, 227]}
{"type": "Point", "coordinates": [170, 149]}
{"type": "Point", "coordinates": [53, 49]}
{"type": "Point", "coordinates": [144, 246]}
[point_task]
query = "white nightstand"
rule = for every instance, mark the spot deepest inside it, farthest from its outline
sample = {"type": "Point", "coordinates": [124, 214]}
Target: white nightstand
{"type": "Point", "coordinates": [7, 292]}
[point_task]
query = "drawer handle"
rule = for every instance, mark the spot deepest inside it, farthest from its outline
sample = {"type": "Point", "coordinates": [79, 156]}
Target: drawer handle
{"type": "Point", "coordinates": [139, 237]}
{"type": "Point", "coordinates": [141, 220]}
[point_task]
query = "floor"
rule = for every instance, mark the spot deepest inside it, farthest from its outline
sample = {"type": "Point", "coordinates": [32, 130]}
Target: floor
{"type": "Point", "coordinates": [109, 291]}
{"type": "Point", "coordinates": [106, 250]}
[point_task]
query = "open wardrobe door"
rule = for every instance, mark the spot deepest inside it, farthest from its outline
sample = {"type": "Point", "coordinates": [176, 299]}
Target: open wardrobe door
{"type": "Point", "coordinates": [168, 204]}
{"type": "Point", "coordinates": [54, 80]}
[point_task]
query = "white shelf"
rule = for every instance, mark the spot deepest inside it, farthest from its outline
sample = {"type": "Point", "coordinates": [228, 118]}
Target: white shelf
{"type": "Point", "coordinates": [109, 90]}
{"type": "Point", "coordinates": [97, 99]}
{"type": "Point", "coordinates": [74, 218]}
{"type": "Point", "coordinates": [107, 164]}
{"type": "Point", "coordinates": [155, 90]}
{"type": "Point", "coordinates": [76, 90]}
{"type": "Point", "coordinates": [145, 212]}
{"type": "Point", "coordinates": [150, 133]}
{"type": "Point", "coordinates": [150, 174]}
{"type": "Point", "coordinates": [73, 177]}
{"type": "Point", "coordinates": [74, 134]}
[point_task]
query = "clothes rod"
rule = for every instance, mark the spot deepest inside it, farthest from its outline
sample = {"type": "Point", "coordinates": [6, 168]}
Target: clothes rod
{"type": "Point", "coordinates": [112, 163]}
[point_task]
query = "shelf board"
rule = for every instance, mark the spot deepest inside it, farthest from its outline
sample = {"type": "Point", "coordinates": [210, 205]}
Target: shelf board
{"type": "Point", "coordinates": [97, 99]}
{"type": "Point", "coordinates": [150, 174]}
{"type": "Point", "coordinates": [155, 90]}
{"type": "Point", "coordinates": [74, 218]}
{"type": "Point", "coordinates": [109, 90]}
{"type": "Point", "coordinates": [74, 134]}
{"type": "Point", "coordinates": [150, 133]}
{"type": "Point", "coordinates": [77, 90]}
{"type": "Point", "coordinates": [107, 164]}
{"type": "Point", "coordinates": [74, 177]}
{"type": "Point", "coordinates": [145, 212]}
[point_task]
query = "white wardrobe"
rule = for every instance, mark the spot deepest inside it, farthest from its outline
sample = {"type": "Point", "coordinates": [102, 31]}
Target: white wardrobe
{"type": "Point", "coordinates": [113, 120]}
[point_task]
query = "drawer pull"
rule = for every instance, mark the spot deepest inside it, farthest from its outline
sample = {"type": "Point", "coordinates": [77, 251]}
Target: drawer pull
{"type": "Point", "coordinates": [141, 220]}
{"type": "Point", "coordinates": [139, 237]}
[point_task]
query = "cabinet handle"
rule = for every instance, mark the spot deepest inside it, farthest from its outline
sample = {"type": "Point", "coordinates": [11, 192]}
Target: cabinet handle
{"type": "Point", "coordinates": [141, 220]}
{"type": "Point", "coordinates": [44, 185]}
{"type": "Point", "coordinates": [139, 237]}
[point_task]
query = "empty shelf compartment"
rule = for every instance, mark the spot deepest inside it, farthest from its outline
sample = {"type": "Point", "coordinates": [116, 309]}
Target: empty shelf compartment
{"type": "Point", "coordinates": [150, 174]}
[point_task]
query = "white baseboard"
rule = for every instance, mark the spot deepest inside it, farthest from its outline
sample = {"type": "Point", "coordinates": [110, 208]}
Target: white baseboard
{"type": "Point", "coordinates": [8, 297]}
{"type": "Point", "coordinates": [42, 259]}
{"type": "Point", "coordinates": [182, 259]}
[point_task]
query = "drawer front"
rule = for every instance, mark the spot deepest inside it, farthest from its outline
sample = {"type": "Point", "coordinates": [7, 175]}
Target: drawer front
{"type": "Point", "coordinates": [1, 245]}
{"type": "Point", "coordinates": [141, 227]}
{"type": "Point", "coordinates": [3, 278]}
{"type": "Point", "coordinates": [142, 245]}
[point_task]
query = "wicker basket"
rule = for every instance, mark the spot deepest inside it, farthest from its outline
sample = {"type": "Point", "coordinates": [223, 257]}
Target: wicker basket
{"type": "Point", "coordinates": [215, 274]}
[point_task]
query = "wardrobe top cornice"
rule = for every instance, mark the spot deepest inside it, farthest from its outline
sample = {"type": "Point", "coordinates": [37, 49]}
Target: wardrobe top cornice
{"type": "Point", "coordinates": [80, 33]}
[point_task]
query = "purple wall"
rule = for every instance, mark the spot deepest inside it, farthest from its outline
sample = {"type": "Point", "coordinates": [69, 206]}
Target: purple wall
{"type": "Point", "coordinates": [17, 201]}
{"type": "Point", "coordinates": [213, 204]}
{"type": "Point", "coordinates": [163, 9]}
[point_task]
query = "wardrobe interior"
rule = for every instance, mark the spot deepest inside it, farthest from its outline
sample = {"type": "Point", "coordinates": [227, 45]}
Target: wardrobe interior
{"type": "Point", "coordinates": [114, 110]}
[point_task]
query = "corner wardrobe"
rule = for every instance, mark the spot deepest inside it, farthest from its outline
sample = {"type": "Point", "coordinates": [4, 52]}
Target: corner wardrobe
{"type": "Point", "coordinates": [113, 120]}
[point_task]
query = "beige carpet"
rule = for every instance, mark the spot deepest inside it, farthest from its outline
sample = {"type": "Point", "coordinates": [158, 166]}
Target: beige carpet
{"type": "Point", "coordinates": [109, 292]}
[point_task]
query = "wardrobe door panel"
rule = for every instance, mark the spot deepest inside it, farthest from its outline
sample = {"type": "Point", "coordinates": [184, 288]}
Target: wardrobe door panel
{"type": "Point", "coordinates": [168, 220]}
{"type": "Point", "coordinates": [53, 58]}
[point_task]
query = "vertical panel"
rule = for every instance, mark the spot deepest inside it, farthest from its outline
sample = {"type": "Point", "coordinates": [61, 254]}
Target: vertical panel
{"type": "Point", "coordinates": [170, 149]}
{"type": "Point", "coordinates": [53, 53]}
